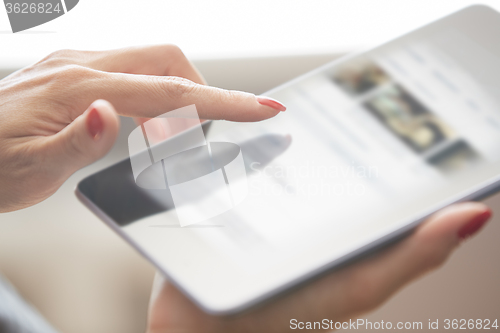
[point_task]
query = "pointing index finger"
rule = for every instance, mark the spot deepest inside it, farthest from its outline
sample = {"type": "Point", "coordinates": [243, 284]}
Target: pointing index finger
{"type": "Point", "coordinates": [149, 96]}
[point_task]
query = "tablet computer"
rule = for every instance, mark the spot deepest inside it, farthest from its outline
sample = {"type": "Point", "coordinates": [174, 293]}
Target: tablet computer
{"type": "Point", "coordinates": [370, 145]}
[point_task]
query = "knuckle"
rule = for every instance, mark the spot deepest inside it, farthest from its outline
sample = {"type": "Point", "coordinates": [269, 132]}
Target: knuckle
{"type": "Point", "coordinates": [75, 72]}
{"type": "Point", "coordinates": [71, 81]}
{"type": "Point", "coordinates": [173, 51]}
{"type": "Point", "coordinates": [223, 97]}
{"type": "Point", "coordinates": [68, 78]}
{"type": "Point", "coordinates": [57, 61]}
{"type": "Point", "coordinates": [59, 57]}
{"type": "Point", "coordinates": [64, 53]}
{"type": "Point", "coordinates": [178, 88]}
{"type": "Point", "coordinates": [227, 96]}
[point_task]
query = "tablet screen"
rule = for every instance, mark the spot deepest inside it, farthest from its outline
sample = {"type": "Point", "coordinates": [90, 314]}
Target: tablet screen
{"type": "Point", "coordinates": [368, 145]}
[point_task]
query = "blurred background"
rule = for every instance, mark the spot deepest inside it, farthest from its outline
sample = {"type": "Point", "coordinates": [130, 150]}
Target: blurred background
{"type": "Point", "coordinates": [81, 276]}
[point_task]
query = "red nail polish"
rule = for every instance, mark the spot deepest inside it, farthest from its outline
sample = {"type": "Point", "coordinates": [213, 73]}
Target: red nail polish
{"type": "Point", "coordinates": [94, 123]}
{"type": "Point", "coordinates": [474, 225]}
{"type": "Point", "coordinates": [271, 103]}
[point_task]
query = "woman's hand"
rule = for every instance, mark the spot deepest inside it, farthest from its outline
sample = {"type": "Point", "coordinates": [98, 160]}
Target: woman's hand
{"type": "Point", "coordinates": [339, 296]}
{"type": "Point", "coordinates": [58, 115]}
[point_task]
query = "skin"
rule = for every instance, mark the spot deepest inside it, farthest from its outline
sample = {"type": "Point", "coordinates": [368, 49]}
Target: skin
{"type": "Point", "coordinates": [44, 109]}
{"type": "Point", "coordinates": [45, 137]}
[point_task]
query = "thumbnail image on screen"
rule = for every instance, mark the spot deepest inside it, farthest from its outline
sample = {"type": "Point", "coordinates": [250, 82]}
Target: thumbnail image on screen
{"type": "Point", "coordinates": [409, 119]}
{"type": "Point", "coordinates": [360, 76]}
{"type": "Point", "coordinates": [421, 130]}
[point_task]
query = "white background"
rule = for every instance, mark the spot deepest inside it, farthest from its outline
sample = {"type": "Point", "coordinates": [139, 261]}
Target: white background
{"type": "Point", "coordinates": [224, 28]}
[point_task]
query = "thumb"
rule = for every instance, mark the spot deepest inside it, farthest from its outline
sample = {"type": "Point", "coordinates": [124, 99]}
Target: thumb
{"type": "Point", "coordinates": [440, 235]}
{"type": "Point", "coordinates": [428, 248]}
{"type": "Point", "coordinates": [88, 138]}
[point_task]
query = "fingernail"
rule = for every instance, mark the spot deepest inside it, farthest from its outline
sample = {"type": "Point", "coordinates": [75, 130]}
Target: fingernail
{"type": "Point", "coordinates": [474, 225]}
{"type": "Point", "coordinates": [94, 123]}
{"type": "Point", "coordinates": [271, 103]}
